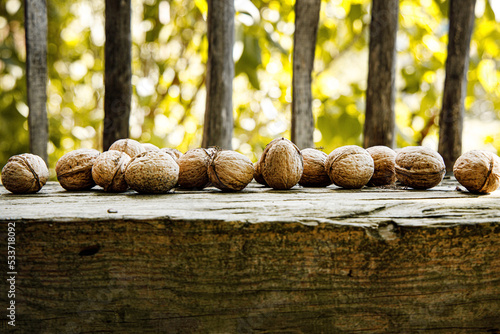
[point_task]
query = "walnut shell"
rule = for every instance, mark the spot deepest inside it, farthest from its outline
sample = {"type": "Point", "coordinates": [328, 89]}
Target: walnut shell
{"type": "Point", "coordinates": [129, 146]}
{"type": "Point", "coordinates": [419, 167]}
{"type": "Point", "coordinates": [150, 147]}
{"type": "Point", "coordinates": [108, 170]}
{"type": "Point", "coordinates": [230, 170]}
{"type": "Point", "coordinates": [282, 164]}
{"type": "Point", "coordinates": [257, 175]}
{"type": "Point", "coordinates": [478, 171]}
{"type": "Point", "coordinates": [314, 174]}
{"type": "Point", "coordinates": [173, 152]}
{"type": "Point", "coordinates": [259, 165]}
{"type": "Point", "coordinates": [193, 168]}
{"type": "Point", "coordinates": [384, 159]}
{"type": "Point", "coordinates": [350, 167]}
{"type": "Point", "coordinates": [74, 169]}
{"type": "Point", "coordinates": [152, 172]}
{"type": "Point", "coordinates": [24, 174]}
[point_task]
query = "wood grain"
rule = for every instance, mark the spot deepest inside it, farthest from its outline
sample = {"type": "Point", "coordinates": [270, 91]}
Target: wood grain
{"type": "Point", "coordinates": [304, 46]}
{"type": "Point", "coordinates": [36, 75]}
{"type": "Point", "coordinates": [218, 126]}
{"type": "Point", "coordinates": [379, 124]}
{"type": "Point", "coordinates": [307, 260]}
{"type": "Point", "coordinates": [455, 84]}
{"type": "Point", "coordinates": [117, 71]}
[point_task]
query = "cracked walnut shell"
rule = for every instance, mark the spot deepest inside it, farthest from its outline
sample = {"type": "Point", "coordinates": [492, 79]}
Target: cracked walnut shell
{"type": "Point", "coordinates": [24, 174]}
{"type": "Point", "coordinates": [478, 171]}
{"type": "Point", "coordinates": [74, 169]}
{"type": "Point", "coordinates": [419, 167]}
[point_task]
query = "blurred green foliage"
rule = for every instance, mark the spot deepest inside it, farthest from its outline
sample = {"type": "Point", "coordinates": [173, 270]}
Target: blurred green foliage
{"type": "Point", "coordinates": [169, 56]}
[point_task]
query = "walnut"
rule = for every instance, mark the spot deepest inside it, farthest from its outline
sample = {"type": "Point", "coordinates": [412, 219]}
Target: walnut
{"type": "Point", "coordinates": [174, 153]}
{"type": "Point", "coordinates": [108, 170]}
{"type": "Point", "coordinates": [152, 172]}
{"type": "Point", "coordinates": [314, 174]}
{"type": "Point", "coordinates": [129, 146]}
{"type": "Point", "coordinates": [257, 175]}
{"type": "Point", "coordinates": [350, 167]}
{"type": "Point", "coordinates": [282, 164]}
{"type": "Point", "coordinates": [74, 169]}
{"type": "Point", "coordinates": [478, 171]}
{"type": "Point", "coordinates": [384, 159]}
{"type": "Point", "coordinates": [24, 174]}
{"type": "Point", "coordinates": [193, 168]}
{"type": "Point", "coordinates": [230, 170]}
{"type": "Point", "coordinates": [150, 147]}
{"type": "Point", "coordinates": [419, 167]}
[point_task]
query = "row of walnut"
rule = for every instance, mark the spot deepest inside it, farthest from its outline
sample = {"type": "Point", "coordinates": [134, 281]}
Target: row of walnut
{"type": "Point", "coordinates": [148, 169]}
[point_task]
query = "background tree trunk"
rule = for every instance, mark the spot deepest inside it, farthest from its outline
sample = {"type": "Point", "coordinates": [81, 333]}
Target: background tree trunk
{"type": "Point", "coordinates": [457, 64]}
{"type": "Point", "coordinates": [304, 45]}
{"type": "Point", "coordinates": [118, 71]}
{"type": "Point", "coordinates": [36, 75]}
{"type": "Point", "coordinates": [218, 126]}
{"type": "Point", "coordinates": [379, 118]}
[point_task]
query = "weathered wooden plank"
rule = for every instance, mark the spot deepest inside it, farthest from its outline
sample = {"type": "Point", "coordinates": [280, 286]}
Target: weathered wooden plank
{"type": "Point", "coordinates": [117, 71]}
{"type": "Point", "coordinates": [304, 45]}
{"type": "Point", "coordinates": [218, 126]}
{"type": "Point", "coordinates": [308, 260]}
{"type": "Point", "coordinates": [36, 75]}
{"type": "Point", "coordinates": [455, 84]}
{"type": "Point", "coordinates": [440, 206]}
{"type": "Point", "coordinates": [380, 92]}
{"type": "Point", "coordinates": [154, 275]}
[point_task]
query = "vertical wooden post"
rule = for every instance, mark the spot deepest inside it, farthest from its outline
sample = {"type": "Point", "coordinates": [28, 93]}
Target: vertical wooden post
{"type": "Point", "coordinates": [304, 46]}
{"type": "Point", "coordinates": [218, 126]}
{"type": "Point", "coordinates": [36, 75]}
{"type": "Point", "coordinates": [117, 72]}
{"type": "Point", "coordinates": [379, 117]}
{"type": "Point", "coordinates": [457, 64]}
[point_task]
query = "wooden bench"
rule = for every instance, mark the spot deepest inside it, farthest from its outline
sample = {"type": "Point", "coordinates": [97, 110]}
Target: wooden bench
{"type": "Point", "coordinates": [307, 260]}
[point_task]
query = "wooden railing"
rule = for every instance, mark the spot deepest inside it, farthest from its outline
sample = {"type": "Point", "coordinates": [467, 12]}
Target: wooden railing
{"type": "Point", "coordinates": [379, 127]}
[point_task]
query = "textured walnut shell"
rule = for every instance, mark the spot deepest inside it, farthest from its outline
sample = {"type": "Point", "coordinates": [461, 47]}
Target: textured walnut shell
{"type": "Point", "coordinates": [384, 159]}
{"type": "Point", "coordinates": [174, 153]}
{"type": "Point", "coordinates": [419, 167]}
{"type": "Point", "coordinates": [314, 174]}
{"type": "Point", "coordinates": [24, 174]}
{"type": "Point", "coordinates": [257, 175]}
{"type": "Point", "coordinates": [108, 170]}
{"type": "Point", "coordinates": [193, 168]}
{"type": "Point", "coordinates": [129, 146]}
{"type": "Point", "coordinates": [150, 147]}
{"type": "Point", "coordinates": [74, 169]}
{"type": "Point", "coordinates": [350, 167]}
{"type": "Point", "coordinates": [230, 170]}
{"type": "Point", "coordinates": [152, 172]}
{"type": "Point", "coordinates": [478, 171]}
{"type": "Point", "coordinates": [282, 164]}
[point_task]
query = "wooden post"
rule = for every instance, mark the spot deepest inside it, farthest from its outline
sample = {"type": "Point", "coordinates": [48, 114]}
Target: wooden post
{"type": "Point", "coordinates": [457, 64]}
{"type": "Point", "coordinates": [218, 126]}
{"type": "Point", "coordinates": [36, 75]}
{"type": "Point", "coordinates": [379, 117]}
{"type": "Point", "coordinates": [118, 72]}
{"type": "Point", "coordinates": [304, 45]}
